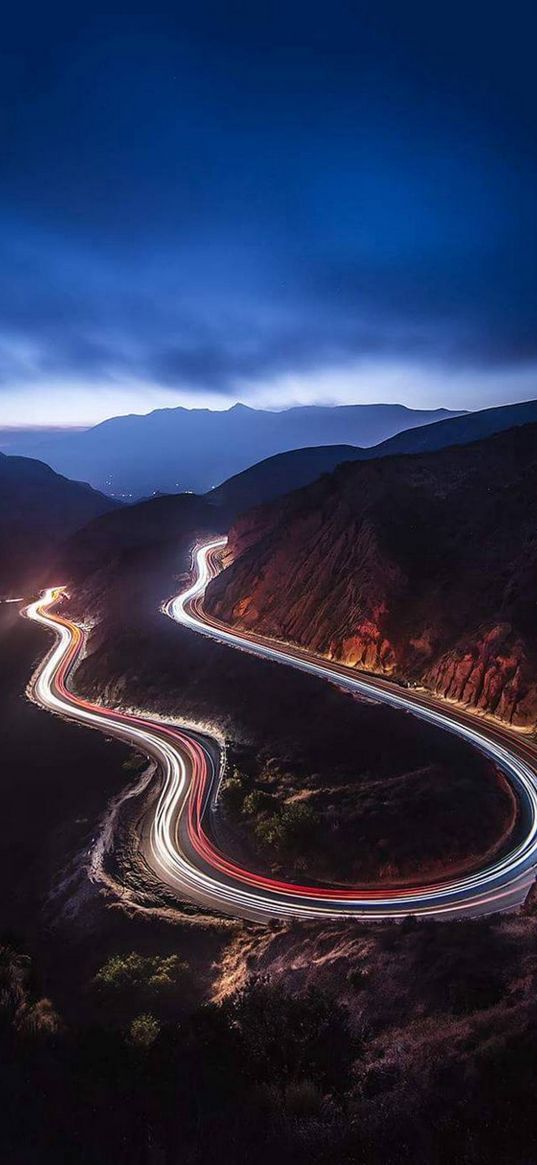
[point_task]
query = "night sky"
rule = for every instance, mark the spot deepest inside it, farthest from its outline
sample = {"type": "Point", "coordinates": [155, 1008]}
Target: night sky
{"type": "Point", "coordinates": [276, 203]}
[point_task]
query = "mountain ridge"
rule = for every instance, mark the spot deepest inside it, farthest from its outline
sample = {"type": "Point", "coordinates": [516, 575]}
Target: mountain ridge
{"type": "Point", "coordinates": [277, 475]}
{"type": "Point", "coordinates": [420, 566]}
{"type": "Point", "coordinates": [182, 450]}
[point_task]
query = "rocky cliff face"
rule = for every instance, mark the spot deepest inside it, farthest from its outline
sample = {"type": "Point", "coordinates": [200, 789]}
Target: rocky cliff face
{"type": "Point", "coordinates": [492, 673]}
{"type": "Point", "coordinates": [424, 567]}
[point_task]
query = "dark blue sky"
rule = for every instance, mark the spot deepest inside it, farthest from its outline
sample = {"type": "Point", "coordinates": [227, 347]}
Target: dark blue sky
{"type": "Point", "coordinates": [268, 202]}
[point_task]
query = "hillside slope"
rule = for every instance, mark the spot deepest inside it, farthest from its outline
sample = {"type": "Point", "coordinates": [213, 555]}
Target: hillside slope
{"type": "Point", "coordinates": [278, 475]}
{"type": "Point", "coordinates": [121, 567]}
{"type": "Point", "coordinates": [461, 430]}
{"type": "Point", "coordinates": [420, 566]}
{"type": "Point", "coordinates": [39, 508]}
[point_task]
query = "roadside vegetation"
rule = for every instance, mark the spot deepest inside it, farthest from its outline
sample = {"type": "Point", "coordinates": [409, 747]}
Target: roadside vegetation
{"type": "Point", "coordinates": [280, 830]}
{"type": "Point", "coordinates": [134, 982]}
{"type": "Point", "coordinates": [385, 1046]}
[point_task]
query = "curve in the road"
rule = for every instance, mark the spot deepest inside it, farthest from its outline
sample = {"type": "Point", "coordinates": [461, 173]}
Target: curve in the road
{"type": "Point", "coordinates": [175, 843]}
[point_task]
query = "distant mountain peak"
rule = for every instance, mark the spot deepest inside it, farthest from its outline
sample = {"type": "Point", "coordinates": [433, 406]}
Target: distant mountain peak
{"type": "Point", "coordinates": [177, 449]}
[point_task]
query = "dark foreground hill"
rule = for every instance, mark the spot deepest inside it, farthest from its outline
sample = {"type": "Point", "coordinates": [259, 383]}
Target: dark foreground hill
{"type": "Point", "coordinates": [422, 566]}
{"type": "Point", "coordinates": [280, 474]}
{"type": "Point", "coordinates": [38, 509]}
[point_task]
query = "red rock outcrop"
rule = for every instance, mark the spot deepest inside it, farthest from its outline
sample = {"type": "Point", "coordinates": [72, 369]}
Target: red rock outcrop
{"type": "Point", "coordinates": [424, 567]}
{"type": "Point", "coordinates": [493, 673]}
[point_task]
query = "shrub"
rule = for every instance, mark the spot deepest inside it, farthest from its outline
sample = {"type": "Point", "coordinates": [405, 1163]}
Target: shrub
{"type": "Point", "coordinates": [357, 978]}
{"type": "Point", "coordinates": [259, 802]}
{"type": "Point", "coordinates": [232, 793]}
{"type": "Point", "coordinates": [302, 1098]}
{"type": "Point", "coordinates": [135, 763]}
{"type": "Point", "coordinates": [298, 826]}
{"type": "Point", "coordinates": [287, 1038]}
{"type": "Point", "coordinates": [292, 831]}
{"type": "Point", "coordinates": [14, 980]}
{"type": "Point", "coordinates": [144, 1030]}
{"type": "Point", "coordinates": [38, 1019]}
{"type": "Point", "coordinates": [133, 979]}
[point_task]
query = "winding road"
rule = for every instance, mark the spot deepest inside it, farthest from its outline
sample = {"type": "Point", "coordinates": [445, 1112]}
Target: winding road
{"type": "Point", "coordinates": [176, 841]}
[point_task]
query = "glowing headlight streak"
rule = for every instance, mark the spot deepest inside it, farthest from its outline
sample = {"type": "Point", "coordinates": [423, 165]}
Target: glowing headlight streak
{"type": "Point", "coordinates": [176, 846]}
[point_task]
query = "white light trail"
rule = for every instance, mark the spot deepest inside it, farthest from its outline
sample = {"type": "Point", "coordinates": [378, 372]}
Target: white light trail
{"type": "Point", "coordinates": [175, 845]}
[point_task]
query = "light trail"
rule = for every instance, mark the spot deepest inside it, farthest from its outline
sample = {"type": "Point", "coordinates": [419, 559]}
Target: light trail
{"type": "Point", "coordinates": [175, 844]}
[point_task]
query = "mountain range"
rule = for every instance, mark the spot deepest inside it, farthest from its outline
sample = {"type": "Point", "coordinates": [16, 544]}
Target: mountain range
{"type": "Point", "coordinates": [40, 508]}
{"type": "Point", "coordinates": [287, 471]}
{"type": "Point", "coordinates": [192, 450]}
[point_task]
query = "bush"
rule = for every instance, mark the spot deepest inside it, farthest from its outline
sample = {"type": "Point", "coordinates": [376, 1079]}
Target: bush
{"type": "Point", "coordinates": [292, 831]}
{"type": "Point", "coordinates": [232, 793]}
{"type": "Point", "coordinates": [14, 980]}
{"type": "Point", "coordinates": [357, 978]}
{"type": "Point", "coordinates": [302, 1098]}
{"type": "Point", "coordinates": [20, 1009]}
{"type": "Point", "coordinates": [144, 1030]}
{"type": "Point", "coordinates": [287, 1038]}
{"type": "Point", "coordinates": [133, 979]}
{"type": "Point", "coordinates": [298, 826]}
{"type": "Point", "coordinates": [259, 802]}
{"type": "Point", "coordinates": [38, 1019]}
{"type": "Point", "coordinates": [135, 763]}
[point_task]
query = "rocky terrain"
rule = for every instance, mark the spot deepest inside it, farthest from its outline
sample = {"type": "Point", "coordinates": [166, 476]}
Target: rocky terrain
{"type": "Point", "coordinates": [396, 1043]}
{"type": "Point", "coordinates": [446, 1017]}
{"type": "Point", "coordinates": [422, 567]}
{"type": "Point", "coordinates": [306, 1042]}
{"type": "Point", "coordinates": [320, 814]}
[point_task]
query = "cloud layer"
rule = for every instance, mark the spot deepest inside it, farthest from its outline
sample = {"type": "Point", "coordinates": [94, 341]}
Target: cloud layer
{"type": "Point", "coordinates": [204, 209]}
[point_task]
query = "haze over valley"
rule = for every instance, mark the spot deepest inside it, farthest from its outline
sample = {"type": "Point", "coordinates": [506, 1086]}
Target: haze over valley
{"type": "Point", "coordinates": [174, 450]}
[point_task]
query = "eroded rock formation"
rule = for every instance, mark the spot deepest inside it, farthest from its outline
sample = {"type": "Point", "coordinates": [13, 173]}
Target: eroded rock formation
{"type": "Point", "coordinates": [423, 567]}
